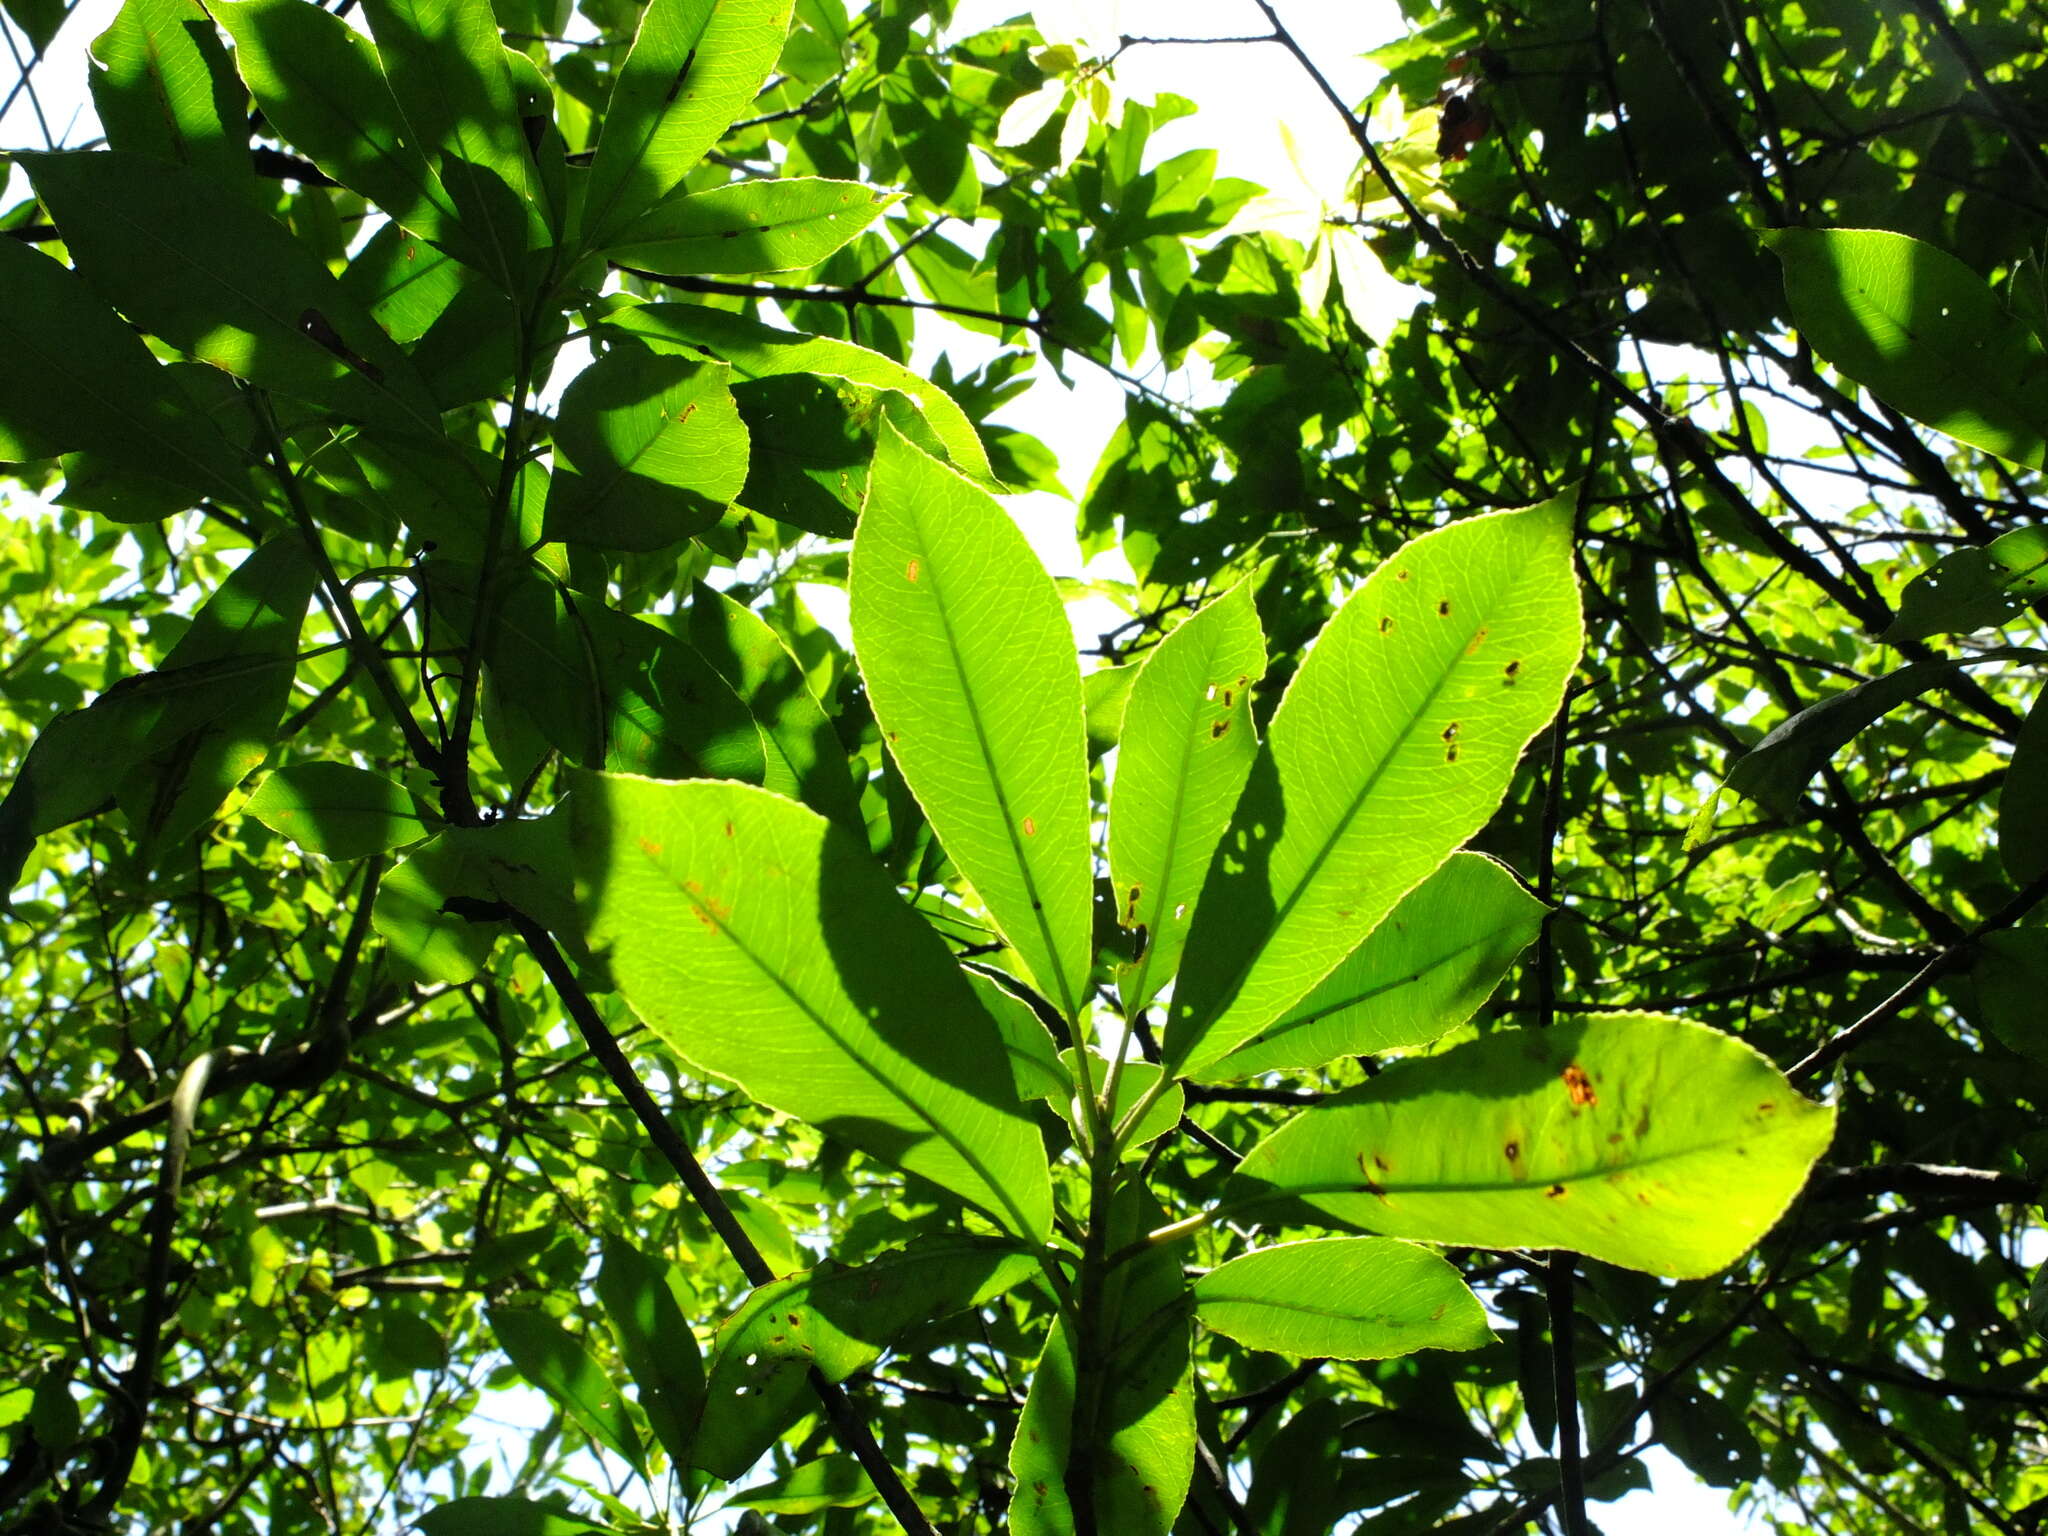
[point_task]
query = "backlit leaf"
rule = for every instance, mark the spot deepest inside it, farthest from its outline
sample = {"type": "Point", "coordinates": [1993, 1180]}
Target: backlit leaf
{"type": "Point", "coordinates": [1345, 1298]}
{"type": "Point", "coordinates": [1922, 332]}
{"type": "Point", "coordinates": [765, 947]}
{"type": "Point", "coordinates": [1392, 746]}
{"type": "Point", "coordinates": [1637, 1139]}
{"type": "Point", "coordinates": [970, 666]}
{"type": "Point", "coordinates": [749, 226]}
{"type": "Point", "coordinates": [1435, 959]}
{"type": "Point", "coordinates": [1186, 747]}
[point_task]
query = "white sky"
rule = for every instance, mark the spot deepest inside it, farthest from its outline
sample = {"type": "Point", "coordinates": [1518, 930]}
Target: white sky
{"type": "Point", "coordinates": [1245, 94]}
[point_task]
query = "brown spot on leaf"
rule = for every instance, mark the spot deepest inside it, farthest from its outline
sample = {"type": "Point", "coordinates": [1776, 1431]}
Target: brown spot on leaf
{"type": "Point", "coordinates": [1386, 624]}
{"type": "Point", "coordinates": [1451, 731]}
{"type": "Point", "coordinates": [1131, 906]}
{"type": "Point", "coordinates": [1579, 1086]}
{"type": "Point", "coordinates": [1217, 729]}
{"type": "Point", "coordinates": [1509, 673]}
{"type": "Point", "coordinates": [1513, 1153]}
{"type": "Point", "coordinates": [1400, 575]}
{"type": "Point", "coordinates": [1443, 607]}
{"type": "Point", "coordinates": [728, 829]}
{"type": "Point", "coordinates": [1768, 1107]}
{"type": "Point", "coordinates": [1451, 753]}
{"type": "Point", "coordinates": [1555, 1192]}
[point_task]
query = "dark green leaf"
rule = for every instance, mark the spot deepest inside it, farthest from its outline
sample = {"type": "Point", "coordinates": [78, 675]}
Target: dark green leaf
{"type": "Point", "coordinates": [838, 1319]}
{"type": "Point", "coordinates": [657, 446]}
{"type": "Point", "coordinates": [552, 1359]}
{"type": "Point", "coordinates": [205, 270]}
{"type": "Point", "coordinates": [336, 810]}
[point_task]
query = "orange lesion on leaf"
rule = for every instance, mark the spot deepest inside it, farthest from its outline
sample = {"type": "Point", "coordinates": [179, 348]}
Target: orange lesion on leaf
{"type": "Point", "coordinates": [1579, 1086]}
{"type": "Point", "coordinates": [1478, 639]}
{"type": "Point", "coordinates": [910, 570]}
{"type": "Point", "coordinates": [649, 847]}
{"type": "Point", "coordinates": [1030, 827]}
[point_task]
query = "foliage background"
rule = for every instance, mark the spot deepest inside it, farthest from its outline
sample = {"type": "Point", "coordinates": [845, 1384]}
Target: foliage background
{"type": "Point", "coordinates": [1754, 527]}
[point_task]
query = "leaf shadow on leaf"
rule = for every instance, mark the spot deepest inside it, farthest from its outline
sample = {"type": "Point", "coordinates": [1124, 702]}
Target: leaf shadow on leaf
{"type": "Point", "coordinates": [874, 977]}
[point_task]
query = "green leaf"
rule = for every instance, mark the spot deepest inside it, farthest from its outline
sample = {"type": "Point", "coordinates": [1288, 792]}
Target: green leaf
{"type": "Point", "coordinates": [1185, 750]}
{"type": "Point", "coordinates": [73, 375]}
{"type": "Point", "coordinates": [405, 283]}
{"type": "Point", "coordinates": [448, 70]}
{"type": "Point", "coordinates": [657, 448]}
{"type": "Point", "coordinates": [694, 67]}
{"type": "Point", "coordinates": [336, 810]}
{"type": "Point", "coordinates": [970, 666]}
{"type": "Point", "coordinates": [435, 909]}
{"type": "Point", "coordinates": [2010, 973]}
{"type": "Point", "coordinates": [2037, 1302]}
{"type": "Point", "coordinates": [172, 743]}
{"type": "Point", "coordinates": [1347, 1298]}
{"type": "Point", "coordinates": [757, 351]}
{"type": "Point", "coordinates": [765, 947]}
{"type": "Point", "coordinates": [504, 1517]}
{"type": "Point", "coordinates": [2023, 800]}
{"type": "Point", "coordinates": [187, 260]}
{"type": "Point", "coordinates": [1641, 1140]}
{"type": "Point", "coordinates": [1392, 746]}
{"type": "Point", "coordinates": [1106, 693]}
{"type": "Point", "coordinates": [839, 1319]}
{"type": "Point", "coordinates": [165, 86]}
{"type": "Point", "coordinates": [322, 86]}
{"type": "Point", "coordinates": [552, 1359]}
{"type": "Point", "coordinates": [830, 1482]}
{"type": "Point", "coordinates": [1974, 589]}
{"type": "Point", "coordinates": [1775, 772]}
{"type": "Point", "coordinates": [1922, 332]}
{"type": "Point", "coordinates": [668, 713]}
{"type": "Point", "coordinates": [1143, 1443]}
{"type": "Point", "coordinates": [1424, 971]}
{"type": "Point", "coordinates": [804, 758]}
{"type": "Point", "coordinates": [1136, 1081]}
{"type": "Point", "coordinates": [749, 226]}
{"type": "Point", "coordinates": [1036, 1061]}
{"type": "Point", "coordinates": [655, 1342]}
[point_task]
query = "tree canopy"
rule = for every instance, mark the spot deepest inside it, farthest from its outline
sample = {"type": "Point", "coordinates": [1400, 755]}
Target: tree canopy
{"type": "Point", "coordinates": [1517, 948]}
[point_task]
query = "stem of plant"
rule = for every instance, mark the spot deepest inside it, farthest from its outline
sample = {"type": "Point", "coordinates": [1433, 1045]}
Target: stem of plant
{"type": "Point", "coordinates": [847, 1425]}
